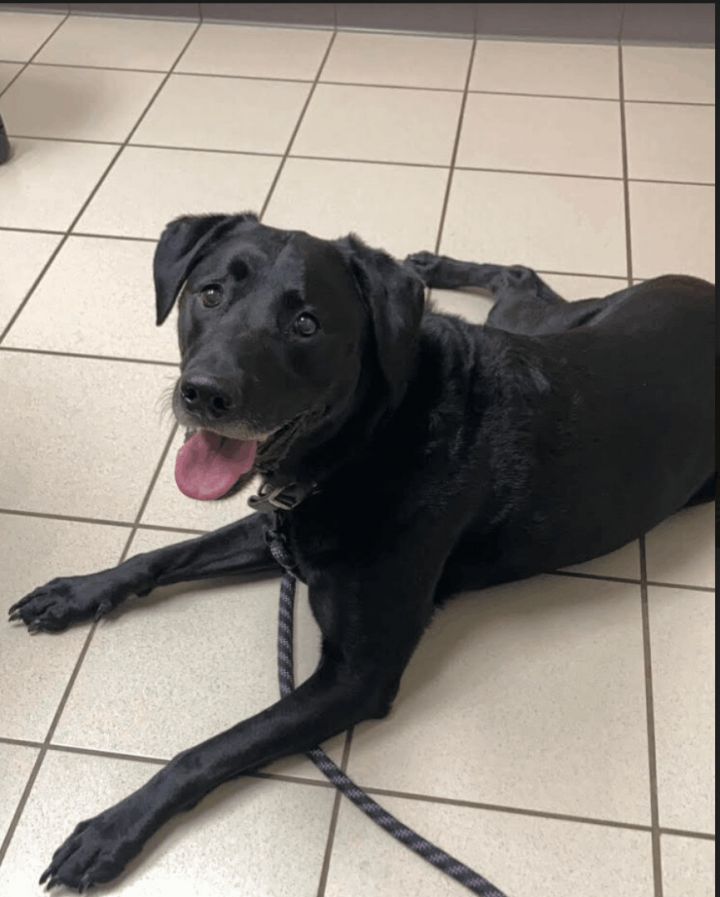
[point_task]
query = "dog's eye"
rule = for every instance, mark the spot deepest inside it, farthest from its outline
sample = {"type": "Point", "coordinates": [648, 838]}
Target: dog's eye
{"type": "Point", "coordinates": [306, 325]}
{"type": "Point", "coordinates": [211, 295]}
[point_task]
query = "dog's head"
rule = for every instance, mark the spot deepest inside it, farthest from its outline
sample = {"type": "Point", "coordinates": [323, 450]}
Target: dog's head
{"type": "Point", "coordinates": [279, 333]}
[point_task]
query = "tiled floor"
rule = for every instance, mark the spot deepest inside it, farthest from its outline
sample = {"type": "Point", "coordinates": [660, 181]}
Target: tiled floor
{"type": "Point", "coordinates": [555, 734]}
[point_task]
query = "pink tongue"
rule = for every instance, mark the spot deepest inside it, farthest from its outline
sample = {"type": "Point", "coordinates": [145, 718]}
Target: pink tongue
{"type": "Point", "coordinates": [208, 465]}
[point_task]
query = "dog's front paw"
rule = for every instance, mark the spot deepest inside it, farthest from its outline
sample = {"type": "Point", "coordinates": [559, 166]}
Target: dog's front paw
{"type": "Point", "coordinates": [96, 852]}
{"type": "Point", "coordinates": [67, 600]}
{"type": "Point", "coordinates": [424, 264]}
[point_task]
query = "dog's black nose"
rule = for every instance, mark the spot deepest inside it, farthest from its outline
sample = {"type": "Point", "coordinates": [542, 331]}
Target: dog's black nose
{"type": "Point", "coordinates": [205, 396]}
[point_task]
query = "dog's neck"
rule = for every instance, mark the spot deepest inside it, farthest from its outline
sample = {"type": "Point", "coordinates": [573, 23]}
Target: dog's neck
{"type": "Point", "coordinates": [349, 431]}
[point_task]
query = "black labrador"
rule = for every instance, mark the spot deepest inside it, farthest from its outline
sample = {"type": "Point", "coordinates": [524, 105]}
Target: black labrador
{"type": "Point", "coordinates": [404, 455]}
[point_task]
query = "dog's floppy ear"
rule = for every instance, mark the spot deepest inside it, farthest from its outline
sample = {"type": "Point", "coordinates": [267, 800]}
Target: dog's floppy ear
{"type": "Point", "coordinates": [179, 248]}
{"type": "Point", "coordinates": [395, 296]}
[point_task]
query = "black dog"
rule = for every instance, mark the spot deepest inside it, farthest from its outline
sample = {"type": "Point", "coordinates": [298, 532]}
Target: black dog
{"type": "Point", "coordinates": [405, 455]}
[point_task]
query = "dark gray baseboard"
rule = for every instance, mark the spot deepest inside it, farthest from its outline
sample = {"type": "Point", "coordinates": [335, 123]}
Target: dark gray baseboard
{"type": "Point", "coordinates": [682, 23]}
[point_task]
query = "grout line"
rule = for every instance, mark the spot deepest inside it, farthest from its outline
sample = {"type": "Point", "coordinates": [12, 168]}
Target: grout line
{"type": "Point", "coordinates": [682, 833]}
{"type": "Point", "coordinates": [21, 742]}
{"type": "Point", "coordinates": [347, 159]}
{"type": "Point", "coordinates": [24, 65]}
{"type": "Point", "coordinates": [404, 795]}
{"type": "Point", "coordinates": [124, 524]}
{"type": "Point", "coordinates": [628, 579]}
{"type": "Point", "coordinates": [59, 354]}
{"type": "Point", "coordinates": [553, 174]}
{"type": "Point", "coordinates": [650, 711]}
{"type": "Point", "coordinates": [500, 808]}
{"type": "Point", "coordinates": [82, 233]}
{"type": "Point", "coordinates": [625, 168]}
{"type": "Point", "coordinates": [456, 145]}
{"type": "Point", "coordinates": [89, 198]}
{"type": "Point", "coordinates": [673, 585]}
{"type": "Point", "coordinates": [31, 230]}
{"type": "Point", "coordinates": [672, 103]}
{"type": "Point", "coordinates": [68, 517]}
{"type": "Point", "coordinates": [294, 134]}
{"type": "Point", "coordinates": [336, 83]}
{"type": "Point", "coordinates": [546, 96]}
{"type": "Point", "coordinates": [330, 843]}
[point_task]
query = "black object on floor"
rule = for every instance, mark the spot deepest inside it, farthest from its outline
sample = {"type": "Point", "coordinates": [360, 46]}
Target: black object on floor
{"type": "Point", "coordinates": [462, 874]}
{"type": "Point", "coordinates": [4, 143]}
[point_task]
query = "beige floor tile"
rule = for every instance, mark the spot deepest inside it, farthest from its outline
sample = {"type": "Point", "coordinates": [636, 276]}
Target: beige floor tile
{"type": "Point", "coordinates": [169, 507]}
{"type": "Point", "coordinates": [625, 562]}
{"type": "Point", "coordinates": [172, 670]}
{"type": "Point", "coordinates": [256, 52]}
{"type": "Point", "coordinates": [48, 181]}
{"type": "Point", "coordinates": [119, 43]}
{"type": "Point", "coordinates": [472, 306]}
{"type": "Point", "coordinates": [688, 866]}
{"type": "Point", "coordinates": [429, 123]}
{"type": "Point", "coordinates": [682, 644]}
{"type": "Point", "coordinates": [148, 187]}
{"type": "Point", "coordinates": [529, 695]}
{"type": "Point", "coordinates": [8, 70]}
{"type": "Point", "coordinates": [672, 230]}
{"type": "Point", "coordinates": [250, 837]}
{"type": "Point", "coordinates": [22, 257]}
{"type": "Point", "coordinates": [84, 436]}
{"type": "Point", "coordinates": [185, 114]}
{"type": "Point", "coordinates": [35, 670]}
{"type": "Point", "coordinates": [475, 306]}
{"type": "Point", "coordinates": [679, 74]}
{"type": "Point", "coordinates": [22, 33]}
{"type": "Point", "coordinates": [541, 134]}
{"type": "Point", "coordinates": [17, 763]}
{"type": "Point", "coordinates": [96, 299]}
{"type": "Point", "coordinates": [671, 142]}
{"type": "Point", "coordinates": [682, 549]}
{"type": "Point", "coordinates": [579, 70]}
{"type": "Point", "coordinates": [393, 207]}
{"type": "Point", "coordinates": [573, 287]}
{"type": "Point", "coordinates": [549, 223]}
{"type": "Point", "coordinates": [524, 856]}
{"type": "Point", "coordinates": [400, 60]}
{"type": "Point", "coordinates": [82, 104]}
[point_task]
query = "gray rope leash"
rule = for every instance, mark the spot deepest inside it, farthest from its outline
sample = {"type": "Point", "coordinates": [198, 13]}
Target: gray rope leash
{"type": "Point", "coordinates": [462, 874]}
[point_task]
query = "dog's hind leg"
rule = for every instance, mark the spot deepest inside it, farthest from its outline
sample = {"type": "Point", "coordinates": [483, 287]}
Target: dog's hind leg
{"type": "Point", "coordinates": [451, 274]}
{"type": "Point", "coordinates": [524, 303]}
{"type": "Point", "coordinates": [239, 548]}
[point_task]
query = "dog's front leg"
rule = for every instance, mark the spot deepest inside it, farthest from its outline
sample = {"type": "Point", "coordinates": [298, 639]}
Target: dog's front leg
{"type": "Point", "coordinates": [333, 699]}
{"type": "Point", "coordinates": [235, 549]}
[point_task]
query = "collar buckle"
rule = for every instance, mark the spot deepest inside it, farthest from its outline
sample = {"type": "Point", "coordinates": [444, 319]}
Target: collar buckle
{"type": "Point", "coordinates": [281, 498]}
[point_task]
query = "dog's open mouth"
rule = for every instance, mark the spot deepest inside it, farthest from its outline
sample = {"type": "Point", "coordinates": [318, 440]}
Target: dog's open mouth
{"type": "Point", "coordinates": [209, 465]}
